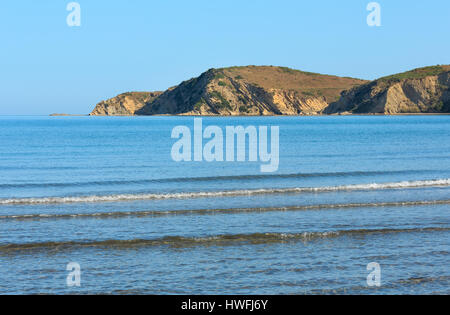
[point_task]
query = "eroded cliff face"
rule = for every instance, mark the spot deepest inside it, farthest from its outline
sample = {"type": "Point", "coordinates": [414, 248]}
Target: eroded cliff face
{"type": "Point", "coordinates": [125, 104]}
{"type": "Point", "coordinates": [251, 91]}
{"type": "Point", "coordinates": [417, 91]}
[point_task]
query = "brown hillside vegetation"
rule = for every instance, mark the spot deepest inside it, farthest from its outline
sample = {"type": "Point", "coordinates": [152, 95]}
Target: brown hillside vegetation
{"type": "Point", "coordinates": [282, 78]}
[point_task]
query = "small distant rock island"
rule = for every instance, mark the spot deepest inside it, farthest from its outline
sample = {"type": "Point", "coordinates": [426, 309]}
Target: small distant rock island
{"type": "Point", "coordinates": [269, 90]}
{"type": "Point", "coordinates": [59, 115]}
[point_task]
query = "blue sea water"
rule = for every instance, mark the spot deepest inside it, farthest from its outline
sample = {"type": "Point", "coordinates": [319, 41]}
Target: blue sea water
{"type": "Point", "coordinates": [105, 193]}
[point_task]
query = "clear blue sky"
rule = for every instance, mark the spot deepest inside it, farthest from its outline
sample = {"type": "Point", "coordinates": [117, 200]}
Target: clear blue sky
{"type": "Point", "coordinates": [146, 45]}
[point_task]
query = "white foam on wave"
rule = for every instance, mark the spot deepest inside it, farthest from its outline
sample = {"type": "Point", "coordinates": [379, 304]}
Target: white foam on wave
{"type": "Point", "coordinates": [231, 193]}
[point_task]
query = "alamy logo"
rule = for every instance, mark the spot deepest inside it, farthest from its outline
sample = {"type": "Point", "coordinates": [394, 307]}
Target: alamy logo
{"type": "Point", "coordinates": [374, 18]}
{"type": "Point", "coordinates": [374, 278]}
{"type": "Point", "coordinates": [74, 277]}
{"type": "Point", "coordinates": [235, 144]}
{"type": "Point", "coordinates": [74, 17]}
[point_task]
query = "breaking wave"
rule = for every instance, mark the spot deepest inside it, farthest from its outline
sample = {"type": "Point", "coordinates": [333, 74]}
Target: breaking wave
{"type": "Point", "coordinates": [155, 213]}
{"type": "Point", "coordinates": [230, 193]}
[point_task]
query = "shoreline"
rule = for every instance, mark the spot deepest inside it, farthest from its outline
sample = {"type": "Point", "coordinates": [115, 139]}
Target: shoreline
{"type": "Point", "coordinates": [318, 115]}
{"type": "Point", "coordinates": [224, 116]}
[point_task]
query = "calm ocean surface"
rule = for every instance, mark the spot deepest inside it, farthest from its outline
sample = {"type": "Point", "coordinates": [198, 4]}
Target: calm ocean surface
{"type": "Point", "coordinates": [105, 193]}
